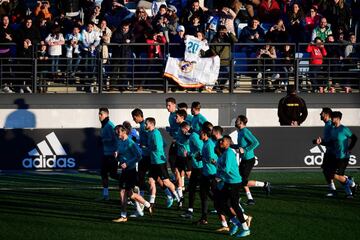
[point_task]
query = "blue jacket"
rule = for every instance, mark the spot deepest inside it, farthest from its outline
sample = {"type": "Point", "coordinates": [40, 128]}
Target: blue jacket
{"type": "Point", "coordinates": [208, 156]}
{"type": "Point", "coordinates": [129, 153]}
{"type": "Point", "coordinates": [156, 147]}
{"type": "Point", "coordinates": [197, 122]}
{"type": "Point", "coordinates": [196, 146]}
{"type": "Point", "coordinates": [228, 169]}
{"type": "Point", "coordinates": [143, 139]}
{"type": "Point", "coordinates": [248, 142]}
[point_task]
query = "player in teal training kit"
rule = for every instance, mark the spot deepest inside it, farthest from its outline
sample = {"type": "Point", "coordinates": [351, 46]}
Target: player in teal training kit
{"type": "Point", "coordinates": [158, 168]}
{"type": "Point", "coordinates": [339, 142]}
{"type": "Point", "coordinates": [109, 165]}
{"type": "Point", "coordinates": [230, 183]}
{"type": "Point", "coordinates": [246, 144]}
{"type": "Point", "coordinates": [198, 119]}
{"type": "Point", "coordinates": [194, 155]}
{"type": "Point", "coordinates": [172, 129]}
{"type": "Point", "coordinates": [128, 154]}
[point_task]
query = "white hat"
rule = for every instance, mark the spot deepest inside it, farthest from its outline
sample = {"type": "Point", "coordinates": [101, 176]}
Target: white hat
{"type": "Point", "coordinates": [172, 8]}
{"type": "Point", "coordinates": [180, 28]}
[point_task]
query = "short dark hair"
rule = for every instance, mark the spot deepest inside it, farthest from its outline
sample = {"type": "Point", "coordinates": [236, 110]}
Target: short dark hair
{"type": "Point", "coordinates": [243, 119]}
{"type": "Point", "coordinates": [170, 99]}
{"type": "Point", "coordinates": [226, 137]}
{"type": "Point", "coordinates": [163, 6]}
{"type": "Point", "coordinates": [184, 124]}
{"type": "Point", "coordinates": [182, 105]}
{"type": "Point", "coordinates": [218, 129]}
{"type": "Point", "coordinates": [103, 109]}
{"type": "Point", "coordinates": [336, 114]}
{"type": "Point", "coordinates": [151, 120]}
{"type": "Point", "coordinates": [327, 110]}
{"type": "Point", "coordinates": [207, 131]}
{"type": "Point", "coordinates": [127, 125]}
{"type": "Point", "coordinates": [121, 128]}
{"type": "Point", "coordinates": [196, 105]}
{"type": "Point", "coordinates": [182, 113]}
{"type": "Point", "coordinates": [208, 124]}
{"type": "Point", "coordinates": [137, 112]}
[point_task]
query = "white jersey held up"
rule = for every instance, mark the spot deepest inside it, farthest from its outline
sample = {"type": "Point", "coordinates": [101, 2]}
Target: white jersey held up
{"type": "Point", "coordinates": [193, 46]}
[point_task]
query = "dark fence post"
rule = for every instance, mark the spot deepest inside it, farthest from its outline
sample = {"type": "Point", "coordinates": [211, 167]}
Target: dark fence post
{"type": "Point", "coordinates": [100, 73]}
{"type": "Point", "coordinates": [296, 75]}
{"type": "Point", "coordinates": [34, 74]}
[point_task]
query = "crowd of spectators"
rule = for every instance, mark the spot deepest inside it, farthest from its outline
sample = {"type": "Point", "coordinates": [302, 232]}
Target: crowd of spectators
{"type": "Point", "coordinates": [47, 31]}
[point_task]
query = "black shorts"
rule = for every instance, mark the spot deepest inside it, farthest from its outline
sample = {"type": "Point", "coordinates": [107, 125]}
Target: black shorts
{"type": "Point", "coordinates": [159, 170]}
{"type": "Point", "coordinates": [144, 164]}
{"type": "Point", "coordinates": [172, 155]}
{"type": "Point", "coordinates": [245, 168]}
{"type": "Point", "coordinates": [109, 165]}
{"type": "Point", "coordinates": [128, 179]}
{"type": "Point", "coordinates": [183, 163]}
{"type": "Point", "coordinates": [329, 163]}
{"type": "Point", "coordinates": [341, 165]}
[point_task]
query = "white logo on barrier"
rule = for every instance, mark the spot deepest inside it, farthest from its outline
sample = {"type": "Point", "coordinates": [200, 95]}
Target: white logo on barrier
{"type": "Point", "coordinates": [46, 155]}
{"type": "Point", "coordinates": [317, 157]}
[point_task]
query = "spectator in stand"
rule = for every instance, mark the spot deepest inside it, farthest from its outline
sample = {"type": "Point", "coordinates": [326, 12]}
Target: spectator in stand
{"type": "Point", "coordinates": [96, 15]}
{"type": "Point", "coordinates": [73, 53]}
{"type": "Point", "coordinates": [105, 35]}
{"type": "Point", "coordinates": [223, 36]}
{"type": "Point", "coordinates": [28, 37]}
{"type": "Point", "coordinates": [44, 28]}
{"type": "Point", "coordinates": [156, 6]}
{"type": "Point", "coordinates": [338, 14]}
{"type": "Point", "coordinates": [43, 60]}
{"type": "Point", "coordinates": [312, 20]}
{"type": "Point", "coordinates": [141, 24]}
{"type": "Point", "coordinates": [335, 55]}
{"type": "Point", "coordinates": [278, 33]}
{"type": "Point", "coordinates": [322, 31]}
{"type": "Point", "coordinates": [317, 53]}
{"type": "Point", "coordinates": [266, 57]}
{"type": "Point", "coordinates": [42, 10]}
{"type": "Point", "coordinates": [252, 33]}
{"type": "Point", "coordinates": [352, 57]}
{"type": "Point", "coordinates": [287, 55]}
{"type": "Point", "coordinates": [212, 24]}
{"type": "Point", "coordinates": [6, 37]}
{"type": "Point", "coordinates": [178, 49]}
{"type": "Point", "coordinates": [189, 12]}
{"type": "Point", "coordinates": [296, 23]}
{"type": "Point", "coordinates": [160, 14]}
{"type": "Point", "coordinates": [269, 11]}
{"type": "Point", "coordinates": [55, 40]}
{"type": "Point", "coordinates": [121, 54]}
{"type": "Point", "coordinates": [196, 26]}
{"type": "Point", "coordinates": [118, 14]}
{"type": "Point", "coordinates": [227, 17]}
{"type": "Point", "coordinates": [90, 43]}
{"type": "Point", "coordinates": [163, 26]}
{"type": "Point", "coordinates": [173, 20]}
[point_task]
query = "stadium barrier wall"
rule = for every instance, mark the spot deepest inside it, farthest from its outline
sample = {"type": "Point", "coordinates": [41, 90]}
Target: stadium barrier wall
{"type": "Point", "coordinates": [80, 149]}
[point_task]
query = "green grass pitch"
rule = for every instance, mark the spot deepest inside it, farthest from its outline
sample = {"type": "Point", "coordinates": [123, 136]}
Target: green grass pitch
{"type": "Point", "coordinates": [61, 206]}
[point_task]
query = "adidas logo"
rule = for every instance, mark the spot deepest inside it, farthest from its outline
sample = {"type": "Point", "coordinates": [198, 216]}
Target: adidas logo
{"type": "Point", "coordinates": [317, 157]}
{"type": "Point", "coordinates": [46, 155]}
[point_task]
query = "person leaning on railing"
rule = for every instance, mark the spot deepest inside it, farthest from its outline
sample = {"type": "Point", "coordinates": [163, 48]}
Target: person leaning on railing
{"type": "Point", "coordinates": [317, 53]}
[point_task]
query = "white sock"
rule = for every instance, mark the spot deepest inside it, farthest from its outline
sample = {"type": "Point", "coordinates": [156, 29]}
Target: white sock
{"type": "Point", "coordinates": [176, 196]}
{"type": "Point", "coordinates": [152, 199]}
{"type": "Point", "coordinates": [245, 226]}
{"type": "Point", "coordinates": [180, 192]}
{"type": "Point", "coordinates": [248, 195]}
{"type": "Point", "coordinates": [183, 182]}
{"type": "Point", "coordinates": [146, 204]}
{"type": "Point", "coordinates": [259, 184]}
{"type": "Point", "coordinates": [138, 207]}
{"type": "Point", "coordinates": [105, 192]}
{"type": "Point", "coordinates": [123, 214]}
{"type": "Point", "coordinates": [224, 223]}
{"type": "Point", "coordinates": [332, 186]}
{"type": "Point", "coordinates": [190, 209]}
{"type": "Point", "coordinates": [245, 216]}
{"type": "Point", "coordinates": [168, 193]}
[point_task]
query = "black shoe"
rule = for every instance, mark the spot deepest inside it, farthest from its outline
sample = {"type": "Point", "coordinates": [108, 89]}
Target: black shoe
{"type": "Point", "coordinates": [267, 188]}
{"type": "Point", "coordinates": [250, 202]}
{"type": "Point", "coordinates": [187, 214]}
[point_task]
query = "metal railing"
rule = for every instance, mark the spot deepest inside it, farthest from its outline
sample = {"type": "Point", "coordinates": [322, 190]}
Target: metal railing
{"type": "Point", "coordinates": [241, 71]}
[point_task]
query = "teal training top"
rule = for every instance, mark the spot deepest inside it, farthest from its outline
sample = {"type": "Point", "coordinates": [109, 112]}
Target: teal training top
{"type": "Point", "coordinates": [197, 122]}
{"type": "Point", "coordinates": [340, 138]}
{"type": "Point", "coordinates": [228, 169]}
{"type": "Point", "coordinates": [182, 143]}
{"type": "Point", "coordinates": [196, 146]}
{"type": "Point", "coordinates": [143, 139]}
{"type": "Point", "coordinates": [108, 138]}
{"type": "Point", "coordinates": [156, 147]}
{"type": "Point", "coordinates": [208, 156]}
{"type": "Point", "coordinates": [173, 126]}
{"type": "Point", "coordinates": [189, 118]}
{"type": "Point", "coordinates": [327, 137]}
{"type": "Point", "coordinates": [129, 153]}
{"type": "Point", "coordinates": [248, 142]}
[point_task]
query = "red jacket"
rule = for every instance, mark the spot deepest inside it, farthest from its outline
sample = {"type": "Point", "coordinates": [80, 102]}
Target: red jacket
{"type": "Point", "coordinates": [156, 50]}
{"type": "Point", "coordinates": [316, 54]}
{"type": "Point", "coordinates": [269, 14]}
